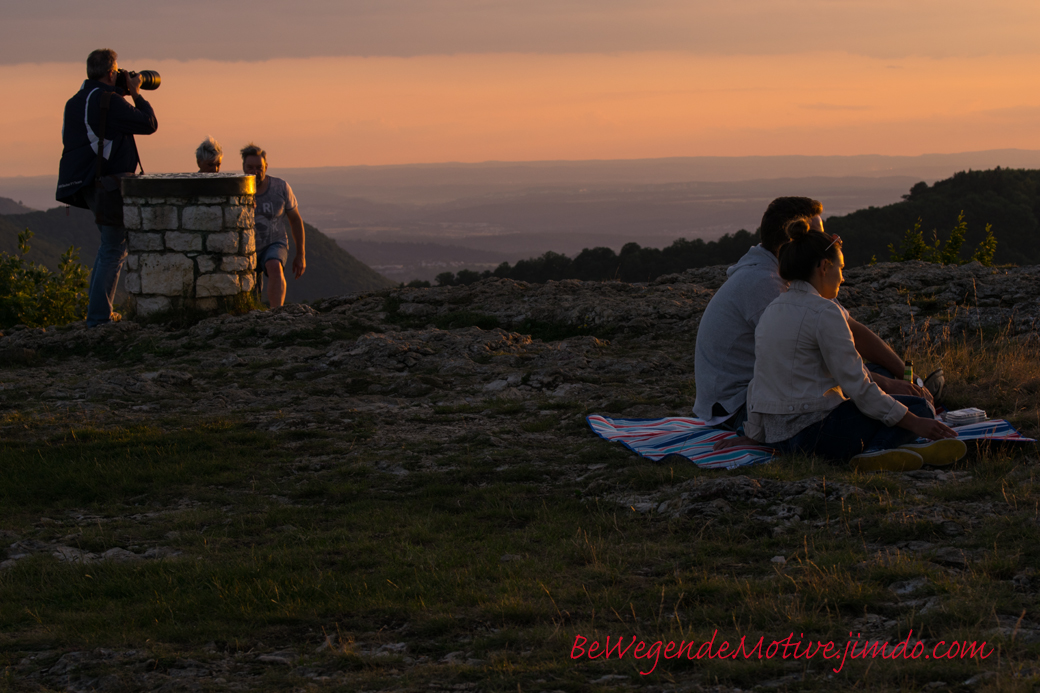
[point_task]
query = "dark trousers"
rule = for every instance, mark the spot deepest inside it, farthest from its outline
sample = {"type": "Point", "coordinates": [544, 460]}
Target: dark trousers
{"type": "Point", "coordinates": [847, 432]}
{"type": "Point", "coordinates": [104, 277]}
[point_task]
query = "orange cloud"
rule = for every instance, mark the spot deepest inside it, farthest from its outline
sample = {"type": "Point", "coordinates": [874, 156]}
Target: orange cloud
{"type": "Point", "coordinates": [349, 111]}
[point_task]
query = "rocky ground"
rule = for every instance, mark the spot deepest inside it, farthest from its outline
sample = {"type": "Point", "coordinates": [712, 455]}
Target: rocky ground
{"type": "Point", "coordinates": [381, 352]}
{"type": "Point", "coordinates": [382, 360]}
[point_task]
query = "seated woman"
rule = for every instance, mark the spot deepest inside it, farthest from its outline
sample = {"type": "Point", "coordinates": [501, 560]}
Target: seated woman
{"type": "Point", "coordinates": [209, 155]}
{"type": "Point", "coordinates": [811, 392]}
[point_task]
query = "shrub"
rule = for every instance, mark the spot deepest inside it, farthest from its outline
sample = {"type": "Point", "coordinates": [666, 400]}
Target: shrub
{"type": "Point", "coordinates": [30, 294]}
{"type": "Point", "coordinates": [987, 248]}
{"type": "Point", "coordinates": [914, 247]}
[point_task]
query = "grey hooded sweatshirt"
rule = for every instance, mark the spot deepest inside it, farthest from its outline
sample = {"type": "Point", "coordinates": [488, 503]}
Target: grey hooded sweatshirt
{"type": "Point", "coordinates": [724, 360]}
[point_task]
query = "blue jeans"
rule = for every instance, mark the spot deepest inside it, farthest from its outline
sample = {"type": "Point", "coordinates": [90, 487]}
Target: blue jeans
{"type": "Point", "coordinates": [105, 275]}
{"type": "Point", "coordinates": [880, 370]}
{"type": "Point", "coordinates": [847, 432]}
{"type": "Point", "coordinates": [275, 251]}
{"type": "Point", "coordinates": [737, 421]}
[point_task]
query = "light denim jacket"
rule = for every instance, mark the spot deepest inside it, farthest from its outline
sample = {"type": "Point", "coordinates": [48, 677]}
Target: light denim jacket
{"type": "Point", "coordinates": [806, 361]}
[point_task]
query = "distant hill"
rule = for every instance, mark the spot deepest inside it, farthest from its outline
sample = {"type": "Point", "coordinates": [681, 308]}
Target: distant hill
{"type": "Point", "coordinates": [11, 207]}
{"type": "Point", "coordinates": [331, 271]}
{"type": "Point", "coordinates": [1009, 199]}
{"type": "Point", "coordinates": [53, 232]}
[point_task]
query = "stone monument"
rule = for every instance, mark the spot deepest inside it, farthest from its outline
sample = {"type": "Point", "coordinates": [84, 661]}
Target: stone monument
{"type": "Point", "coordinates": [191, 241]}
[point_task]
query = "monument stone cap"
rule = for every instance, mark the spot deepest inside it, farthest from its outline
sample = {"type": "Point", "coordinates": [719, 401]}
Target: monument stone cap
{"type": "Point", "coordinates": [188, 184]}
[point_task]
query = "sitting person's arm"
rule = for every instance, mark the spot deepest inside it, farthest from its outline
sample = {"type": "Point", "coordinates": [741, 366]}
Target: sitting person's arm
{"type": "Point", "coordinates": [873, 349]}
{"type": "Point", "coordinates": [837, 347]}
{"type": "Point", "coordinates": [932, 429]}
{"type": "Point", "coordinates": [734, 442]}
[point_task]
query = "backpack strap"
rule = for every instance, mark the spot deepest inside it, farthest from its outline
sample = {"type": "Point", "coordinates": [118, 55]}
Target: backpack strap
{"type": "Point", "coordinates": [106, 100]}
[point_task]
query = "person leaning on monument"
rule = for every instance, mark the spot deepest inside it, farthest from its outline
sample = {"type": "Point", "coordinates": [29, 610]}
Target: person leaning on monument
{"type": "Point", "coordinates": [99, 115]}
{"type": "Point", "coordinates": [724, 358]}
{"type": "Point", "coordinates": [209, 155]}
{"type": "Point", "coordinates": [275, 204]}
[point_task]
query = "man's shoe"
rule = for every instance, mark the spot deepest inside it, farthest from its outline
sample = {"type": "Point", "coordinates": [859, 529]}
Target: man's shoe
{"type": "Point", "coordinates": [893, 460]}
{"type": "Point", "coordinates": [936, 384]}
{"type": "Point", "coordinates": [938, 453]}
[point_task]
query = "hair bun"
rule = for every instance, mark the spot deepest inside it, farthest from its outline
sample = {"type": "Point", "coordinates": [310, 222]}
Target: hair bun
{"type": "Point", "coordinates": [798, 228]}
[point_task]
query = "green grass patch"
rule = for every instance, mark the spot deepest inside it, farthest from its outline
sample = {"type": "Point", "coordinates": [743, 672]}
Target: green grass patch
{"type": "Point", "coordinates": [88, 467]}
{"type": "Point", "coordinates": [460, 546]}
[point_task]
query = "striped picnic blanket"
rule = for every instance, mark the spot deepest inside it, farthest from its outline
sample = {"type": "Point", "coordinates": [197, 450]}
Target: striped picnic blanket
{"type": "Point", "coordinates": [655, 439]}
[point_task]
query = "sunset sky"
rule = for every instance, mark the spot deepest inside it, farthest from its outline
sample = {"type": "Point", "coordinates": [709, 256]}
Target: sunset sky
{"type": "Point", "coordinates": [348, 82]}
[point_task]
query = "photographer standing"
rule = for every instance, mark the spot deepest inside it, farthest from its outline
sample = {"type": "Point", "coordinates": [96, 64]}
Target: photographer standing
{"type": "Point", "coordinates": [87, 178]}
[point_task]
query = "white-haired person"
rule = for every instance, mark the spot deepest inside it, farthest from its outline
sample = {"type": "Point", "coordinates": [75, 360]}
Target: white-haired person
{"type": "Point", "coordinates": [209, 155]}
{"type": "Point", "coordinates": [812, 394]}
{"type": "Point", "coordinates": [276, 208]}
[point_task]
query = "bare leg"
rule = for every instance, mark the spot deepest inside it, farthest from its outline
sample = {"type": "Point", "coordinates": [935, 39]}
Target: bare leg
{"type": "Point", "coordinates": [275, 284]}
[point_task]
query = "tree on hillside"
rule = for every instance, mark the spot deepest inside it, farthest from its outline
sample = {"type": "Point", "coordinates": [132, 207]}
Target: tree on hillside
{"type": "Point", "coordinates": [633, 264]}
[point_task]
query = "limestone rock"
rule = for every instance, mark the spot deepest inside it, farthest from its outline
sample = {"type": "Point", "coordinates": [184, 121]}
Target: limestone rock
{"type": "Point", "coordinates": [183, 242]}
{"type": "Point", "coordinates": [206, 263]}
{"type": "Point", "coordinates": [239, 217]}
{"type": "Point", "coordinates": [144, 242]}
{"type": "Point", "coordinates": [217, 284]}
{"type": "Point", "coordinates": [168, 274]}
{"type": "Point", "coordinates": [238, 263]}
{"type": "Point", "coordinates": [199, 218]}
{"type": "Point", "coordinates": [118, 555]}
{"type": "Point", "coordinates": [225, 242]}
{"type": "Point", "coordinates": [150, 305]}
{"type": "Point", "coordinates": [247, 245]}
{"type": "Point", "coordinates": [158, 218]}
{"type": "Point", "coordinates": [131, 216]}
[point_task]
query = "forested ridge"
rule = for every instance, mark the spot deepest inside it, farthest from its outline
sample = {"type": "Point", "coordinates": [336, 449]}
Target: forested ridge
{"type": "Point", "coordinates": [1008, 199]}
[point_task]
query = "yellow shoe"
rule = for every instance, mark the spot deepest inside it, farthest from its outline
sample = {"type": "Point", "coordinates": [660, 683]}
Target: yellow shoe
{"type": "Point", "coordinates": [938, 453]}
{"type": "Point", "coordinates": [893, 460]}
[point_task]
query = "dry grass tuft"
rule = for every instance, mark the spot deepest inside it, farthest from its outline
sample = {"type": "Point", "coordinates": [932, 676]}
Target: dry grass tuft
{"type": "Point", "coordinates": [1001, 376]}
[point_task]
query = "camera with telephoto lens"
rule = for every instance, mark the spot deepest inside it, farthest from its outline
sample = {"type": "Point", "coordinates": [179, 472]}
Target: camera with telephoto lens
{"type": "Point", "coordinates": [149, 80]}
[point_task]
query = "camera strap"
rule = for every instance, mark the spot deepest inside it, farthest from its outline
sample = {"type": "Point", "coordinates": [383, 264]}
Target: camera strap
{"type": "Point", "coordinates": [137, 155]}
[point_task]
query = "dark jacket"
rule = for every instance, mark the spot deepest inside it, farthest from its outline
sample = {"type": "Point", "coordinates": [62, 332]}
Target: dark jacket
{"type": "Point", "coordinates": [79, 135]}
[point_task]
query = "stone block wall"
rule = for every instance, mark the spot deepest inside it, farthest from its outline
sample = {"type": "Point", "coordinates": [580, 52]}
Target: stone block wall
{"type": "Point", "coordinates": [190, 247]}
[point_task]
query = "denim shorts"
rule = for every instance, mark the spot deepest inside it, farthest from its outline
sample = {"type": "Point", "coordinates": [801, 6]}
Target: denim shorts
{"type": "Point", "coordinates": [275, 251]}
